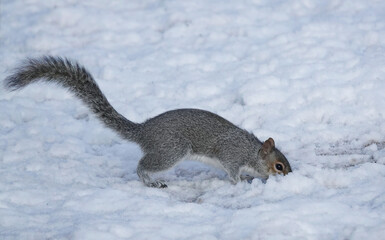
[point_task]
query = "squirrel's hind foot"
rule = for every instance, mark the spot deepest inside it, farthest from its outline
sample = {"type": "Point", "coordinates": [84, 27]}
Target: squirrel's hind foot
{"type": "Point", "coordinates": [158, 184]}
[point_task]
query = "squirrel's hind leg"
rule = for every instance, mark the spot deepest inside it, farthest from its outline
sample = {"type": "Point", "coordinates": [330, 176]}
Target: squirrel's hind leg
{"type": "Point", "coordinates": [144, 176]}
{"type": "Point", "coordinates": [153, 163]}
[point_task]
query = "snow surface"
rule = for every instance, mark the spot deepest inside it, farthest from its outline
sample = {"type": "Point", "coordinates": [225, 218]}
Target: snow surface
{"type": "Point", "coordinates": [310, 74]}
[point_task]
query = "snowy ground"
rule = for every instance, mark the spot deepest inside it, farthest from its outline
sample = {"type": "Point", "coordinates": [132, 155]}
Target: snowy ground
{"type": "Point", "coordinates": [310, 74]}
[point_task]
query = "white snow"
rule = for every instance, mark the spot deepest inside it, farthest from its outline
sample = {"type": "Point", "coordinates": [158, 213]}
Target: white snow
{"type": "Point", "coordinates": [310, 74]}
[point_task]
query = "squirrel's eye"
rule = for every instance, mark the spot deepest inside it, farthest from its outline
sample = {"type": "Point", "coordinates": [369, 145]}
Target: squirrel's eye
{"type": "Point", "coordinates": [279, 167]}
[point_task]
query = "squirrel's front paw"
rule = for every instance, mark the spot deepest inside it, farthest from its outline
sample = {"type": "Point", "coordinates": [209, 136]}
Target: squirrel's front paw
{"type": "Point", "coordinates": [248, 178]}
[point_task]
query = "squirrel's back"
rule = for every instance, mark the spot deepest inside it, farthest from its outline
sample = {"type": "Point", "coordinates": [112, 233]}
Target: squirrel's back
{"type": "Point", "coordinates": [203, 130]}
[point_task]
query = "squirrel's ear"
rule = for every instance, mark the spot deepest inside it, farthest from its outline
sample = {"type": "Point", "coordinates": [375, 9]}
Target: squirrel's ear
{"type": "Point", "coordinates": [268, 145]}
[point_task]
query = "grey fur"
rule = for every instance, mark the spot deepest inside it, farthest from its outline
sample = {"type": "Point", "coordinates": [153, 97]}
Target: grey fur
{"type": "Point", "coordinates": [167, 138]}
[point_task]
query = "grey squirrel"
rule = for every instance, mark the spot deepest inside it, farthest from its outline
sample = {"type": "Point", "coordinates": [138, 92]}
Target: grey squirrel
{"type": "Point", "coordinates": [167, 138]}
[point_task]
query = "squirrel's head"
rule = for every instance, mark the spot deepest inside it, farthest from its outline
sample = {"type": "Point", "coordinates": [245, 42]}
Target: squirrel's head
{"type": "Point", "coordinates": [276, 162]}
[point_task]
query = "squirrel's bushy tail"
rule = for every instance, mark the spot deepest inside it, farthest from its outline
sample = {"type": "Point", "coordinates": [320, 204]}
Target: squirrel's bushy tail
{"type": "Point", "coordinates": [79, 81]}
